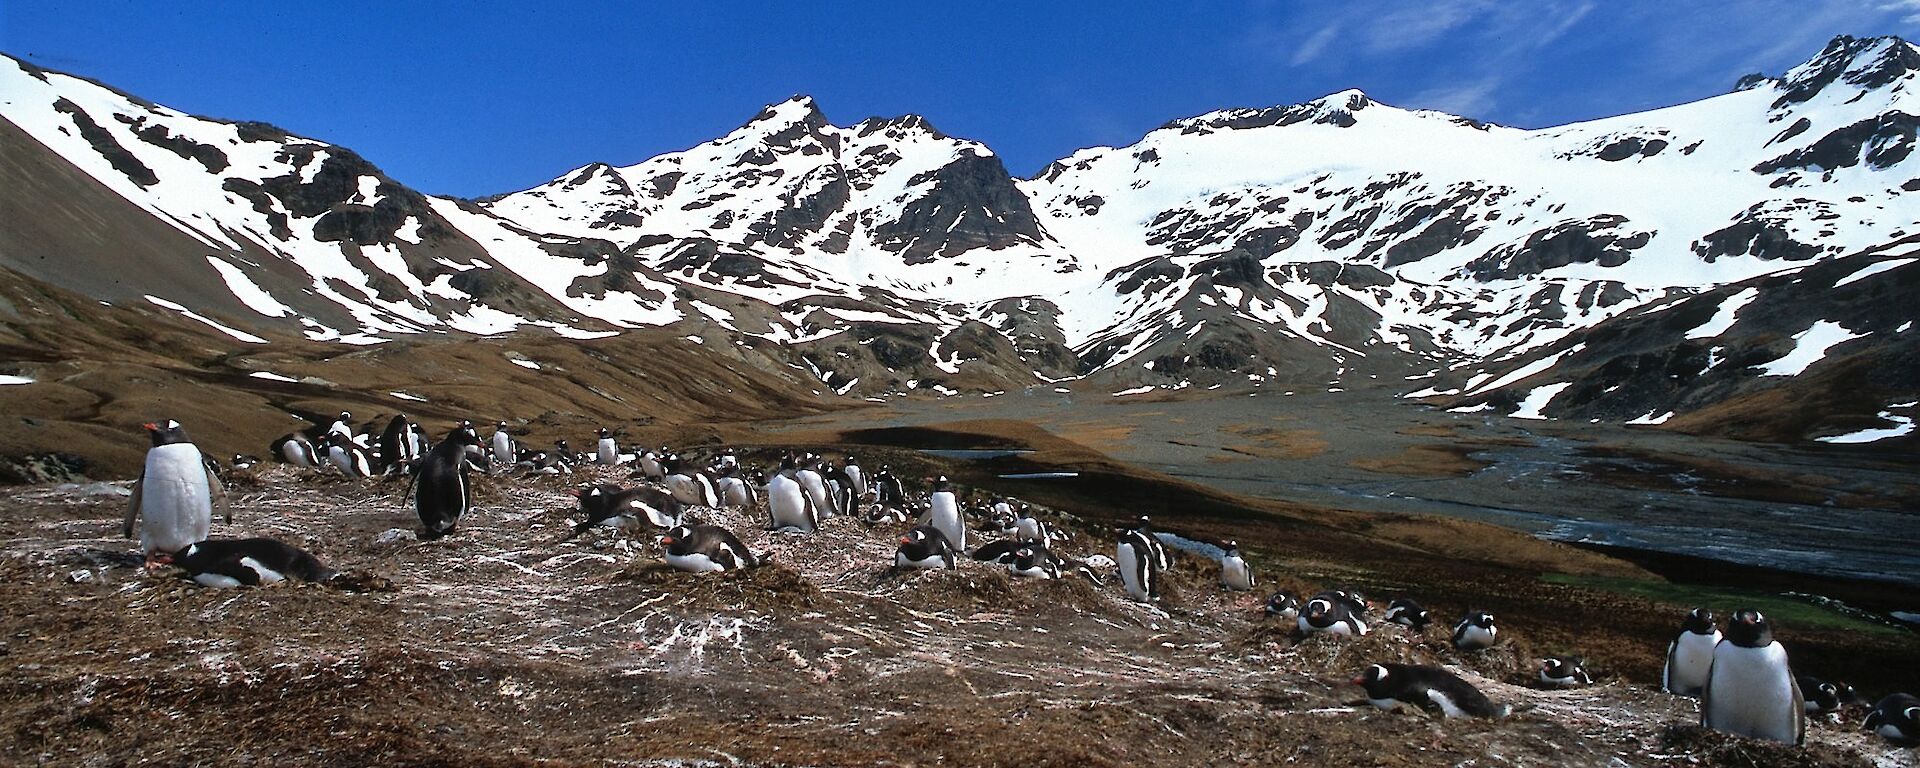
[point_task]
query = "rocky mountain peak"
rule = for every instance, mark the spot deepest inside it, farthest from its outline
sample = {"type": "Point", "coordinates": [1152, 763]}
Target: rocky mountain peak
{"type": "Point", "coordinates": [1864, 62]}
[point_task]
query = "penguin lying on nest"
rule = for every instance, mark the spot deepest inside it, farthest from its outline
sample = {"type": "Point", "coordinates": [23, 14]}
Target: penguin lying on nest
{"type": "Point", "coordinates": [255, 562]}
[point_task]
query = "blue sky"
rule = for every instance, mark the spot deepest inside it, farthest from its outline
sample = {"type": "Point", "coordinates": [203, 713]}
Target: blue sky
{"type": "Point", "coordinates": [480, 98]}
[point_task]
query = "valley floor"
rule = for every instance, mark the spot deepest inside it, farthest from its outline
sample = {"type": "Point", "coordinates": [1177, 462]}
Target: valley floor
{"type": "Point", "coordinates": [508, 645]}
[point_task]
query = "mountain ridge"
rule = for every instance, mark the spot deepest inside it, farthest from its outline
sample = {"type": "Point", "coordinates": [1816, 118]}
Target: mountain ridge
{"type": "Point", "coordinates": [1336, 242]}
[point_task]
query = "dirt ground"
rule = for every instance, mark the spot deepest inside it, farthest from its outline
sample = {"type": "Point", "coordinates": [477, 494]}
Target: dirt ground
{"type": "Point", "coordinates": [509, 645]}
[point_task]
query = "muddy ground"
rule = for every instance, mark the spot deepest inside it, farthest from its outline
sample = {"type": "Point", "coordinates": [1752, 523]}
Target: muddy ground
{"type": "Point", "coordinates": [508, 645]}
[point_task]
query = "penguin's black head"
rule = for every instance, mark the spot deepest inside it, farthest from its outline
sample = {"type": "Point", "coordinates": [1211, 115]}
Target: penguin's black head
{"type": "Point", "coordinates": [1480, 619]}
{"type": "Point", "coordinates": [346, 416]}
{"type": "Point", "coordinates": [1281, 602]}
{"type": "Point", "coordinates": [1699, 621]}
{"type": "Point", "coordinates": [1376, 679]}
{"type": "Point", "coordinates": [675, 534]}
{"type": "Point", "coordinates": [166, 432]}
{"type": "Point", "coordinates": [1317, 608]}
{"type": "Point", "coordinates": [605, 433]}
{"type": "Point", "coordinates": [501, 425]}
{"type": "Point", "coordinates": [1749, 629]}
{"type": "Point", "coordinates": [913, 537]}
{"type": "Point", "coordinates": [1232, 547]}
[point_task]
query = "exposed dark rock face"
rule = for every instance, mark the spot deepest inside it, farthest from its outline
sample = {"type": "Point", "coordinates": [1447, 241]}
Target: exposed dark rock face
{"type": "Point", "coordinates": [975, 204]}
{"type": "Point", "coordinates": [1033, 325]}
{"type": "Point", "coordinates": [1888, 139]}
{"type": "Point", "coordinates": [1338, 115]}
{"type": "Point", "coordinates": [805, 208]}
{"type": "Point", "coordinates": [104, 143]}
{"type": "Point", "coordinates": [1598, 240]}
{"type": "Point", "coordinates": [1630, 146]}
{"type": "Point", "coordinates": [1756, 235]}
{"type": "Point", "coordinates": [210, 157]}
{"type": "Point", "coordinates": [1835, 62]}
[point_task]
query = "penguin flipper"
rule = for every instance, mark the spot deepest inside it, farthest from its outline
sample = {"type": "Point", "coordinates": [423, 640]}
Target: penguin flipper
{"type": "Point", "coordinates": [219, 492]}
{"type": "Point", "coordinates": [133, 508]}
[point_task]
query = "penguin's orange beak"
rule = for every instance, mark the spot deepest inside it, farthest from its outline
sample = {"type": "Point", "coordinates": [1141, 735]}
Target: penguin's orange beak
{"type": "Point", "coordinates": [905, 540]}
{"type": "Point", "coordinates": [1359, 680]}
{"type": "Point", "coordinates": [150, 427]}
{"type": "Point", "coordinates": [666, 540]}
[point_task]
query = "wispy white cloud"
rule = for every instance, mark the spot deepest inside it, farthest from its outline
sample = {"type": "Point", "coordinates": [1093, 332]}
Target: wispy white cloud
{"type": "Point", "coordinates": [1909, 7]}
{"type": "Point", "coordinates": [1312, 48]}
{"type": "Point", "coordinates": [1478, 97]}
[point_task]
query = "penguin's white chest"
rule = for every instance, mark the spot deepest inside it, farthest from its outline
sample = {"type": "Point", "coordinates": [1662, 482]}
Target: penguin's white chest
{"type": "Point", "coordinates": [788, 502]}
{"type": "Point", "coordinates": [1689, 661]}
{"type": "Point", "coordinates": [1476, 636]}
{"type": "Point", "coordinates": [696, 562]}
{"type": "Point", "coordinates": [1027, 528]}
{"type": "Point", "coordinates": [934, 561]}
{"type": "Point", "coordinates": [502, 447]}
{"type": "Point", "coordinates": [1750, 693]}
{"type": "Point", "coordinates": [946, 517]}
{"type": "Point", "coordinates": [607, 453]}
{"type": "Point", "coordinates": [1235, 574]}
{"type": "Point", "coordinates": [176, 504]}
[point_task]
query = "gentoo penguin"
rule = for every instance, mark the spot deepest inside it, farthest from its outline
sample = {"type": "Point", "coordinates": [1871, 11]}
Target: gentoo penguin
{"type": "Point", "coordinates": [840, 487]}
{"type": "Point", "coordinates": [690, 485]}
{"type": "Point", "coordinates": [1824, 698]}
{"type": "Point", "coordinates": [924, 546]}
{"type": "Point", "coordinates": [346, 456]}
{"type": "Point", "coordinates": [1331, 613]}
{"type": "Point", "coordinates": [650, 467]}
{"type": "Point", "coordinates": [243, 461]}
{"type": "Point", "coordinates": [1142, 559]}
{"type": "Point", "coordinates": [816, 486]}
{"type": "Point", "coordinates": [398, 452]}
{"type": "Point", "coordinates": [734, 490]}
{"type": "Point", "coordinates": [1282, 605]}
{"type": "Point", "coordinates": [1563, 672]}
{"type": "Point", "coordinates": [1407, 613]}
{"type": "Point", "coordinates": [606, 452]}
{"type": "Point", "coordinates": [856, 478]}
{"type": "Point", "coordinates": [342, 425]}
{"type": "Point", "coordinates": [1392, 685]}
{"type": "Point", "coordinates": [617, 507]}
{"type": "Point", "coordinates": [441, 491]}
{"type": "Point", "coordinates": [173, 499]}
{"type": "Point", "coordinates": [294, 448]}
{"type": "Point", "coordinates": [1475, 631]}
{"type": "Point", "coordinates": [944, 514]}
{"type": "Point", "coordinates": [706, 549]}
{"type": "Point", "coordinates": [1033, 561]}
{"type": "Point", "coordinates": [788, 505]}
{"type": "Point", "coordinates": [1000, 551]}
{"type": "Point", "coordinates": [1897, 719]}
{"type": "Point", "coordinates": [1690, 654]}
{"type": "Point", "coordinates": [1026, 526]}
{"type": "Point", "coordinates": [506, 450]}
{"type": "Point", "coordinates": [1234, 573]}
{"type": "Point", "coordinates": [890, 495]}
{"type": "Point", "coordinates": [1750, 690]}
{"type": "Point", "coordinates": [249, 562]}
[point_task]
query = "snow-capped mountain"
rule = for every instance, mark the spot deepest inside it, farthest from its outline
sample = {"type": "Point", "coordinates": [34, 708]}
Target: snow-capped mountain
{"type": "Point", "coordinates": [1329, 243]}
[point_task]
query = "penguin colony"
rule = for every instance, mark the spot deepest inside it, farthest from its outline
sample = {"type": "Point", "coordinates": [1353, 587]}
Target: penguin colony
{"type": "Point", "coordinates": [1742, 676]}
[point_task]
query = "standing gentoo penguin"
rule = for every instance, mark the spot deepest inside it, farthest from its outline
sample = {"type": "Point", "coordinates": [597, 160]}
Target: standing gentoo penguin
{"type": "Point", "coordinates": [1475, 631]}
{"type": "Point", "coordinates": [1897, 719]}
{"type": "Point", "coordinates": [816, 486]}
{"type": "Point", "coordinates": [1407, 613]}
{"type": "Point", "coordinates": [1391, 685]}
{"type": "Point", "coordinates": [944, 514]}
{"type": "Point", "coordinates": [1026, 526]}
{"type": "Point", "coordinates": [610, 505]}
{"type": "Point", "coordinates": [1234, 573]}
{"type": "Point", "coordinates": [650, 467]}
{"type": "Point", "coordinates": [856, 479]}
{"type": "Point", "coordinates": [249, 562]}
{"type": "Point", "coordinates": [442, 493]}
{"type": "Point", "coordinates": [1750, 689]}
{"type": "Point", "coordinates": [788, 505]}
{"type": "Point", "coordinates": [1690, 654]}
{"type": "Point", "coordinates": [173, 499]}
{"type": "Point", "coordinates": [890, 496]}
{"type": "Point", "coordinates": [1282, 605]}
{"type": "Point", "coordinates": [924, 546]}
{"type": "Point", "coordinates": [505, 449]}
{"type": "Point", "coordinates": [342, 425]}
{"type": "Point", "coordinates": [1563, 672]}
{"type": "Point", "coordinates": [1824, 698]}
{"type": "Point", "coordinates": [1332, 613]}
{"type": "Point", "coordinates": [398, 451]}
{"type": "Point", "coordinates": [1142, 559]}
{"type": "Point", "coordinates": [606, 452]}
{"type": "Point", "coordinates": [294, 448]}
{"type": "Point", "coordinates": [706, 549]}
